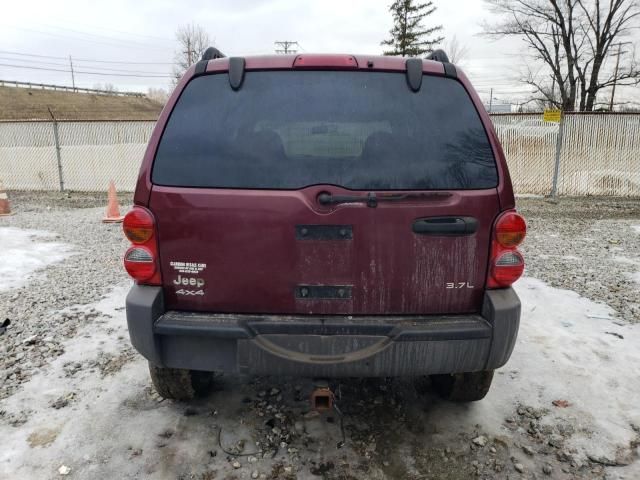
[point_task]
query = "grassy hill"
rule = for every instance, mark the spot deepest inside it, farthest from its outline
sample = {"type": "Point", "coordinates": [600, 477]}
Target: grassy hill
{"type": "Point", "coordinates": [18, 103]}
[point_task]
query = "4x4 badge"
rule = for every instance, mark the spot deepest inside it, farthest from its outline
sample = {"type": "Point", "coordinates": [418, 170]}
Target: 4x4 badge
{"type": "Point", "coordinates": [182, 291]}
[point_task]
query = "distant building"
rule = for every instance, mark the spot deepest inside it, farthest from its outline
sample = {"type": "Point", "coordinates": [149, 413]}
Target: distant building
{"type": "Point", "coordinates": [498, 107]}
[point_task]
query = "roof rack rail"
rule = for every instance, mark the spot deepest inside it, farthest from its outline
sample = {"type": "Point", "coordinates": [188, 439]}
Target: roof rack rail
{"type": "Point", "coordinates": [212, 53]}
{"type": "Point", "coordinates": [438, 55]}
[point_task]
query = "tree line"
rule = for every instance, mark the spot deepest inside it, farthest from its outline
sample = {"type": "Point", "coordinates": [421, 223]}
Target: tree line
{"type": "Point", "coordinates": [571, 45]}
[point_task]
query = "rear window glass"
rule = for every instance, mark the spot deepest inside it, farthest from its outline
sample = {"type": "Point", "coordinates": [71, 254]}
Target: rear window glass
{"type": "Point", "coordinates": [292, 129]}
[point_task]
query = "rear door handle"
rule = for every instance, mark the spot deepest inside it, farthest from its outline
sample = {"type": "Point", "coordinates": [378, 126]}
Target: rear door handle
{"type": "Point", "coordinates": [445, 226]}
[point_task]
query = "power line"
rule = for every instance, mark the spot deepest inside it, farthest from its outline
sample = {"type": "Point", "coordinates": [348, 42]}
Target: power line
{"type": "Point", "coordinates": [86, 60]}
{"type": "Point", "coordinates": [58, 35]}
{"type": "Point", "coordinates": [78, 62]}
{"type": "Point", "coordinates": [85, 72]}
{"type": "Point", "coordinates": [109, 37]}
{"type": "Point", "coordinates": [96, 35]}
{"type": "Point", "coordinates": [13, 59]}
{"type": "Point", "coordinates": [165, 39]}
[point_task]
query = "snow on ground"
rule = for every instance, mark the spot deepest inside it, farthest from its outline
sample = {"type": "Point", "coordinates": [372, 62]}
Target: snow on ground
{"type": "Point", "coordinates": [92, 410]}
{"type": "Point", "coordinates": [636, 228]}
{"type": "Point", "coordinates": [23, 252]}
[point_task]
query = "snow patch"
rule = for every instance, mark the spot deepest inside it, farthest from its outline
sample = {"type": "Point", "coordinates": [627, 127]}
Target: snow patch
{"type": "Point", "coordinates": [635, 276]}
{"type": "Point", "coordinates": [625, 260]}
{"type": "Point", "coordinates": [24, 252]}
{"type": "Point", "coordinates": [565, 351]}
{"type": "Point", "coordinates": [636, 228]}
{"type": "Point", "coordinates": [528, 195]}
{"type": "Point", "coordinates": [568, 349]}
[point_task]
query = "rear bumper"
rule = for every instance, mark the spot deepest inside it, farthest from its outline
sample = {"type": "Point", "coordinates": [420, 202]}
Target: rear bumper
{"type": "Point", "coordinates": [331, 346]}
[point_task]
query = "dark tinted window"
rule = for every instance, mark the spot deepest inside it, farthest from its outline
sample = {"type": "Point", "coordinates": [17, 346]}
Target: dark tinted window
{"type": "Point", "coordinates": [291, 129]}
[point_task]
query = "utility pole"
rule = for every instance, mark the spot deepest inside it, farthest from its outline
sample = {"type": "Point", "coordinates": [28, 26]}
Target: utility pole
{"type": "Point", "coordinates": [189, 52]}
{"type": "Point", "coordinates": [73, 78]}
{"type": "Point", "coordinates": [490, 100]}
{"type": "Point", "coordinates": [285, 47]}
{"type": "Point", "coordinates": [615, 77]}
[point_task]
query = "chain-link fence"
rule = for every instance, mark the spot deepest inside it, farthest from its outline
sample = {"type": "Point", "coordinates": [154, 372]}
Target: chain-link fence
{"type": "Point", "coordinates": [63, 155]}
{"type": "Point", "coordinates": [585, 154]}
{"type": "Point", "coordinates": [588, 154]}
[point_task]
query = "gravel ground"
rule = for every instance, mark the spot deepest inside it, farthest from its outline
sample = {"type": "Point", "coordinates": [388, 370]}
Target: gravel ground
{"type": "Point", "coordinates": [84, 277]}
{"type": "Point", "coordinates": [587, 245]}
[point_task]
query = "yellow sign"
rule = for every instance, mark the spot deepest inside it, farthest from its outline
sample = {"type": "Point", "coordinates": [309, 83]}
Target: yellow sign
{"type": "Point", "coordinates": [552, 116]}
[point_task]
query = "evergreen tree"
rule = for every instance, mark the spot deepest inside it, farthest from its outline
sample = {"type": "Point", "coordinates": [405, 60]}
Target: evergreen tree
{"type": "Point", "coordinates": [409, 38]}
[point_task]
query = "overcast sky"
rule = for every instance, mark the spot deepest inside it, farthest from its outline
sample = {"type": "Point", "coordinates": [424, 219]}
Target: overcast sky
{"type": "Point", "coordinates": [142, 32]}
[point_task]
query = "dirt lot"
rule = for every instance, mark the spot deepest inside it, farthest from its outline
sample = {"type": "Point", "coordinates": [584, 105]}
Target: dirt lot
{"type": "Point", "coordinates": [34, 103]}
{"type": "Point", "coordinates": [76, 401]}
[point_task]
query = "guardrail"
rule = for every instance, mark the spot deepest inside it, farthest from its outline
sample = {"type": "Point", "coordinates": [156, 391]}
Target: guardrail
{"type": "Point", "coordinates": [47, 86]}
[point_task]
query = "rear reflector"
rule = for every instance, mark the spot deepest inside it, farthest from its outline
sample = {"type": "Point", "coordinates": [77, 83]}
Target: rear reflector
{"type": "Point", "coordinates": [140, 263]}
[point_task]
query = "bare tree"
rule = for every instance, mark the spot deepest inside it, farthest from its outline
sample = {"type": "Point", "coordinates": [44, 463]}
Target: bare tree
{"type": "Point", "coordinates": [571, 40]}
{"type": "Point", "coordinates": [105, 87]}
{"type": "Point", "coordinates": [456, 51]}
{"type": "Point", "coordinates": [159, 95]}
{"type": "Point", "coordinates": [193, 40]}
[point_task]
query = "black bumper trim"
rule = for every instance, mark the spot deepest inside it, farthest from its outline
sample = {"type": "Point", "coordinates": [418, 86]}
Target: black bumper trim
{"type": "Point", "coordinates": [409, 328]}
{"type": "Point", "coordinates": [405, 328]}
{"type": "Point", "coordinates": [333, 346]}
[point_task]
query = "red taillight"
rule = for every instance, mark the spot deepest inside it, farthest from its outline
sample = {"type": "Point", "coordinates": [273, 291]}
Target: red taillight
{"type": "Point", "coordinates": [506, 262]}
{"type": "Point", "coordinates": [510, 229]}
{"type": "Point", "coordinates": [138, 225]}
{"type": "Point", "coordinates": [507, 268]}
{"type": "Point", "coordinates": [141, 260]}
{"type": "Point", "coordinates": [140, 263]}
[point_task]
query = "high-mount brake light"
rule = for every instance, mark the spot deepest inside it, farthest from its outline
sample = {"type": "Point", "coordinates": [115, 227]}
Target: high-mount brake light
{"type": "Point", "coordinates": [141, 260]}
{"type": "Point", "coordinates": [325, 61]}
{"type": "Point", "coordinates": [506, 262]}
{"type": "Point", "coordinates": [510, 229]}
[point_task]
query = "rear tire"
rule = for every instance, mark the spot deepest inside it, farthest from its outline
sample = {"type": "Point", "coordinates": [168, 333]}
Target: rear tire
{"type": "Point", "coordinates": [179, 384]}
{"type": "Point", "coordinates": [463, 387]}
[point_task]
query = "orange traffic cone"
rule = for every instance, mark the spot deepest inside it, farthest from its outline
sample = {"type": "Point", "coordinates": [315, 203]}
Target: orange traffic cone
{"type": "Point", "coordinates": [5, 207]}
{"type": "Point", "coordinates": [113, 208]}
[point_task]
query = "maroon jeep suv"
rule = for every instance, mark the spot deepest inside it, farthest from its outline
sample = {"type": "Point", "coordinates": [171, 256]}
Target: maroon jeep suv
{"type": "Point", "coordinates": [324, 216]}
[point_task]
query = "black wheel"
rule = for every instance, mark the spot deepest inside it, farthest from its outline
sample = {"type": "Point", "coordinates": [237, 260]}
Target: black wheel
{"type": "Point", "coordinates": [179, 384]}
{"type": "Point", "coordinates": [463, 387]}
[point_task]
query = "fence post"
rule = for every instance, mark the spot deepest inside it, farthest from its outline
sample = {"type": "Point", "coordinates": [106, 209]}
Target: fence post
{"type": "Point", "coordinates": [56, 138]}
{"type": "Point", "coordinates": [556, 168]}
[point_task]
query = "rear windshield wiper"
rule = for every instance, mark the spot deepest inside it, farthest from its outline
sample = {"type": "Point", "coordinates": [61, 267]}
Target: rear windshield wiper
{"type": "Point", "coordinates": [372, 199]}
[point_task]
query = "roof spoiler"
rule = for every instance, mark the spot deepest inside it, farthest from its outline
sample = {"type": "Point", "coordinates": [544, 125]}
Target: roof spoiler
{"type": "Point", "coordinates": [210, 53]}
{"type": "Point", "coordinates": [236, 66]}
{"type": "Point", "coordinates": [439, 55]}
